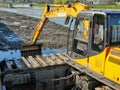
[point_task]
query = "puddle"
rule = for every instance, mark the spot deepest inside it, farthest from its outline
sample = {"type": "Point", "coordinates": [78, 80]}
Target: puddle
{"type": "Point", "coordinates": [53, 51]}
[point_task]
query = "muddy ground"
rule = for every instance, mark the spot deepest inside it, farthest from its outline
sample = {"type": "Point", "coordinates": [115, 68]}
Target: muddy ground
{"type": "Point", "coordinates": [52, 36]}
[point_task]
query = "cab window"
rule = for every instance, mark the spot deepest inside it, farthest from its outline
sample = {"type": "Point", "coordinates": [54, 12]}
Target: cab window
{"type": "Point", "coordinates": [81, 36]}
{"type": "Point", "coordinates": [98, 33]}
{"type": "Point", "coordinates": [115, 37]}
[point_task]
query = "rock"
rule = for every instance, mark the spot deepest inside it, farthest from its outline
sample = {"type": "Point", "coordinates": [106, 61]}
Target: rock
{"type": "Point", "coordinates": [23, 27]}
{"type": "Point", "coordinates": [16, 23]}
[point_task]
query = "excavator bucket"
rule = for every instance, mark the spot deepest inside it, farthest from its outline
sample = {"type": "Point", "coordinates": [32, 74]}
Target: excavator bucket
{"type": "Point", "coordinates": [31, 50]}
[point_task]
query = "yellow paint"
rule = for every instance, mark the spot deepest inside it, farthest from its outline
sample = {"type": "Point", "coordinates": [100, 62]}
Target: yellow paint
{"type": "Point", "coordinates": [86, 24]}
{"type": "Point", "coordinates": [112, 66]}
{"type": "Point", "coordinates": [97, 61]}
{"type": "Point", "coordinates": [107, 66]}
{"type": "Point", "coordinates": [82, 61]}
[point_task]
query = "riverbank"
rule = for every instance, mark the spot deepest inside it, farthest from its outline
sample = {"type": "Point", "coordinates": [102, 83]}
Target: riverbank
{"type": "Point", "coordinates": [53, 36]}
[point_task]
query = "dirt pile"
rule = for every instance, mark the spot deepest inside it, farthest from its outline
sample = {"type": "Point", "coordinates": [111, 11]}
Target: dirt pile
{"type": "Point", "coordinates": [52, 36]}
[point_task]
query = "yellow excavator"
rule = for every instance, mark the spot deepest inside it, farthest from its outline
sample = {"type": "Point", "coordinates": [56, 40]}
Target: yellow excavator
{"type": "Point", "coordinates": [93, 61]}
{"type": "Point", "coordinates": [95, 38]}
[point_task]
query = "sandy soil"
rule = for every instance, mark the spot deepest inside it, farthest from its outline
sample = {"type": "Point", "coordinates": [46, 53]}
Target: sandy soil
{"type": "Point", "coordinates": [52, 36]}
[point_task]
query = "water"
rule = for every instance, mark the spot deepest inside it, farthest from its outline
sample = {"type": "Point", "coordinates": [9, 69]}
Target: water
{"type": "Point", "coordinates": [24, 11]}
{"type": "Point", "coordinates": [53, 51]}
{"type": "Point", "coordinates": [15, 54]}
{"type": "Point", "coordinates": [10, 54]}
{"type": "Point", "coordinates": [36, 13]}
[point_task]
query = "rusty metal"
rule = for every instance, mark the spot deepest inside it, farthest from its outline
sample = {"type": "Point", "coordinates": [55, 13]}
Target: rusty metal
{"type": "Point", "coordinates": [16, 79]}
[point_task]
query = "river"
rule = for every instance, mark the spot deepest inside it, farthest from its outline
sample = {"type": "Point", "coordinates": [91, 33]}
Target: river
{"type": "Point", "coordinates": [36, 13]}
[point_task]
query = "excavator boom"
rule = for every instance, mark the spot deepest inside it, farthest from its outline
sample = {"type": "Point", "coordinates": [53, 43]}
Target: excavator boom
{"type": "Point", "coordinates": [57, 11]}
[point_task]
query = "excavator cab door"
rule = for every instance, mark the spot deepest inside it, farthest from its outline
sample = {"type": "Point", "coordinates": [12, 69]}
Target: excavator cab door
{"type": "Point", "coordinates": [97, 53]}
{"type": "Point", "coordinates": [81, 40]}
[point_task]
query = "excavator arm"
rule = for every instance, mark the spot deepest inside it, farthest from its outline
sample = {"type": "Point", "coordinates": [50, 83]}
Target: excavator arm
{"type": "Point", "coordinates": [57, 11]}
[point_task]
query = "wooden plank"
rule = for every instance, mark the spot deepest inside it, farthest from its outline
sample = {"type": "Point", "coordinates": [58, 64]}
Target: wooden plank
{"type": "Point", "coordinates": [26, 62]}
{"type": "Point", "coordinates": [33, 62]}
{"type": "Point", "coordinates": [40, 64]}
{"type": "Point", "coordinates": [48, 60]}
{"type": "Point", "coordinates": [41, 61]}
{"type": "Point", "coordinates": [44, 60]}
{"type": "Point", "coordinates": [62, 57]}
{"type": "Point", "coordinates": [56, 59]}
{"type": "Point", "coordinates": [66, 55]}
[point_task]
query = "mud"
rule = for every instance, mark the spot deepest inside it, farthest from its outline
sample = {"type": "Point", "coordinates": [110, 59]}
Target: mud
{"type": "Point", "coordinates": [52, 36]}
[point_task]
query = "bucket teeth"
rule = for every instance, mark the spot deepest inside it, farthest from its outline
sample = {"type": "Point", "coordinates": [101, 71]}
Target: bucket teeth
{"type": "Point", "coordinates": [31, 50]}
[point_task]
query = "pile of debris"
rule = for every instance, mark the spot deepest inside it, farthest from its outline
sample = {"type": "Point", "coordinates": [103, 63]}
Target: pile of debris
{"type": "Point", "coordinates": [52, 36]}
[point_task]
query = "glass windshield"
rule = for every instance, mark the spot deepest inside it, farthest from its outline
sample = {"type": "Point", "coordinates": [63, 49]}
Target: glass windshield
{"type": "Point", "coordinates": [82, 29]}
{"type": "Point", "coordinates": [98, 33]}
{"type": "Point", "coordinates": [115, 37]}
{"type": "Point", "coordinates": [81, 36]}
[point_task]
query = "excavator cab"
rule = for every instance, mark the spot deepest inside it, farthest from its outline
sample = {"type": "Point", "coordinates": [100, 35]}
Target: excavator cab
{"type": "Point", "coordinates": [89, 36]}
{"type": "Point", "coordinates": [89, 33]}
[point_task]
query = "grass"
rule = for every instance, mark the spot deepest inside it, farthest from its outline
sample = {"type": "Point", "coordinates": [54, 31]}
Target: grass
{"type": "Point", "coordinates": [105, 6]}
{"type": "Point", "coordinates": [4, 5]}
{"type": "Point", "coordinates": [38, 5]}
{"type": "Point", "coordinates": [96, 6]}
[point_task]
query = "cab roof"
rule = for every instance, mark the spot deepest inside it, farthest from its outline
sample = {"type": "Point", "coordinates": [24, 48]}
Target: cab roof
{"type": "Point", "coordinates": [105, 12]}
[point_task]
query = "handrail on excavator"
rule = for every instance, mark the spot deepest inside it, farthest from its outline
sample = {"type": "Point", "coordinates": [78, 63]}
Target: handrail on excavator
{"type": "Point", "coordinates": [51, 11]}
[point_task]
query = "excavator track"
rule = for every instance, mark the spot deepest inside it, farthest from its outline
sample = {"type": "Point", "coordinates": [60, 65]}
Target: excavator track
{"type": "Point", "coordinates": [94, 75]}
